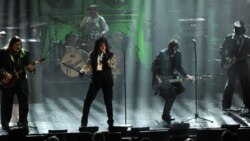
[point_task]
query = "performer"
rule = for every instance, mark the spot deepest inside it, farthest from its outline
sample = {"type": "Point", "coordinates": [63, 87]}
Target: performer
{"type": "Point", "coordinates": [13, 80]}
{"type": "Point", "coordinates": [102, 61]}
{"type": "Point", "coordinates": [168, 64]}
{"type": "Point", "coordinates": [234, 51]}
{"type": "Point", "coordinates": [93, 26]}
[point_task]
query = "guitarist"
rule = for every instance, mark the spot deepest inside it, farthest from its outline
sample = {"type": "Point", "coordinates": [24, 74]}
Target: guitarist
{"type": "Point", "coordinates": [235, 46]}
{"type": "Point", "coordinates": [168, 64]}
{"type": "Point", "coordinates": [13, 81]}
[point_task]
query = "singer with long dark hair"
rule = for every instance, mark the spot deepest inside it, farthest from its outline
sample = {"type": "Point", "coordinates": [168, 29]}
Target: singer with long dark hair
{"type": "Point", "coordinates": [102, 61]}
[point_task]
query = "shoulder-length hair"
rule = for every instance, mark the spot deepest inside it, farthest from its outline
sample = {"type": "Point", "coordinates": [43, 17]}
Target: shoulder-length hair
{"type": "Point", "coordinates": [98, 43]}
{"type": "Point", "coordinates": [173, 43]}
{"type": "Point", "coordinates": [13, 40]}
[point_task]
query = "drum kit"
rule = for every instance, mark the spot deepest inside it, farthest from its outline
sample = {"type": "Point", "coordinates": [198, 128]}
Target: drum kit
{"type": "Point", "coordinates": [74, 54]}
{"type": "Point", "coordinates": [73, 51]}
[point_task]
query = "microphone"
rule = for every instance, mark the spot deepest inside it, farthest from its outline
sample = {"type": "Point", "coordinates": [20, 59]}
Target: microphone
{"type": "Point", "coordinates": [99, 58]}
{"type": "Point", "coordinates": [194, 40]}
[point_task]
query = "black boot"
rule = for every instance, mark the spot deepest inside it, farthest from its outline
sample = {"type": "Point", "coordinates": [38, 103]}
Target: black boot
{"type": "Point", "coordinates": [5, 126]}
{"type": "Point", "coordinates": [84, 123]}
{"type": "Point", "coordinates": [110, 122]}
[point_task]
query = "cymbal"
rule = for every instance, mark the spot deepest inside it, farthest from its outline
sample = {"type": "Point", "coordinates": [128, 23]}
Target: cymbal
{"type": "Point", "coordinates": [214, 60]}
{"type": "Point", "coordinates": [192, 20]}
{"type": "Point", "coordinates": [2, 32]}
{"type": "Point", "coordinates": [37, 24]}
{"type": "Point", "coordinates": [22, 27]}
{"type": "Point", "coordinates": [58, 20]}
{"type": "Point", "coordinates": [33, 40]}
{"type": "Point", "coordinates": [15, 27]}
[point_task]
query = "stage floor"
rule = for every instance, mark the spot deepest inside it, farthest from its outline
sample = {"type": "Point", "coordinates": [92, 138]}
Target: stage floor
{"type": "Point", "coordinates": [60, 108]}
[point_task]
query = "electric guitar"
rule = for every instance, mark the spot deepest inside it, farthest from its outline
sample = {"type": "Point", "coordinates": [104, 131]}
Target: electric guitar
{"type": "Point", "coordinates": [13, 76]}
{"type": "Point", "coordinates": [166, 81]}
{"type": "Point", "coordinates": [226, 64]}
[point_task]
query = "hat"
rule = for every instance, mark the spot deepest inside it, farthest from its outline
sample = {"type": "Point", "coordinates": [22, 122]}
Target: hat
{"type": "Point", "coordinates": [93, 8]}
{"type": "Point", "coordinates": [239, 27]}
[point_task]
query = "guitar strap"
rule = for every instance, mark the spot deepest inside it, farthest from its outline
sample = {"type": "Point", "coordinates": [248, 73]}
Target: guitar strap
{"type": "Point", "coordinates": [17, 62]}
{"type": "Point", "coordinates": [241, 45]}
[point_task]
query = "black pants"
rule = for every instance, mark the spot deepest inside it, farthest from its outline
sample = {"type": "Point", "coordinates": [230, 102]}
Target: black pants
{"type": "Point", "coordinates": [241, 69]}
{"type": "Point", "coordinates": [7, 104]}
{"type": "Point", "coordinates": [91, 94]}
{"type": "Point", "coordinates": [169, 94]}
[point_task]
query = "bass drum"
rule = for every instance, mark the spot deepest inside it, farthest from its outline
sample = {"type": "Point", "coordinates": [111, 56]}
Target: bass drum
{"type": "Point", "coordinates": [74, 61]}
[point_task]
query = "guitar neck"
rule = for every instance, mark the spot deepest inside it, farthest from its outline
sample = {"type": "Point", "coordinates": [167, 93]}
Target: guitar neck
{"type": "Point", "coordinates": [33, 63]}
{"type": "Point", "coordinates": [241, 58]}
{"type": "Point", "coordinates": [181, 79]}
{"type": "Point", "coordinates": [176, 80]}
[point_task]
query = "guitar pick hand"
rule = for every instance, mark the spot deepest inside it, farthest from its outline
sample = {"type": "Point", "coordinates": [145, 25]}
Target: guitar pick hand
{"type": "Point", "coordinates": [6, 77]}
{"type": "Point", "coordinates": [189, 77]}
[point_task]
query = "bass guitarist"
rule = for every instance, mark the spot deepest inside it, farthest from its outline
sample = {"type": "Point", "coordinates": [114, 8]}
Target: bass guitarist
{"type": "Point", "coordinates": [14, 61]}
{"type": "Point", "coordinates": [168, 64]}
{"type": "Point", "coordinates": [234, 52]}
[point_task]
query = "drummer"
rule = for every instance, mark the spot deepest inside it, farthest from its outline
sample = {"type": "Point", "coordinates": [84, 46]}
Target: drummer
{"type": "Point", "coordinates": [93, 26]}
{"type": "Point", "coordinates": [71, 42]}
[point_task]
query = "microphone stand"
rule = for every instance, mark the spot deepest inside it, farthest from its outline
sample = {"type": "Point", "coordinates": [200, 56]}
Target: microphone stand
{"type": "Point", "coordinates": [125, 85]}
{"type": "Point", "coordinates": [123, 127]}
{"type": "Point", "coordinates": [196, 116]}
{"type": "Point", "coordinates": [125, 91]}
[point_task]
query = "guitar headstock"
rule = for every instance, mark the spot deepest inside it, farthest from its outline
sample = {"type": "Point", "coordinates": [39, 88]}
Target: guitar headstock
{"type": "Point", "coordinates": [207, 77]}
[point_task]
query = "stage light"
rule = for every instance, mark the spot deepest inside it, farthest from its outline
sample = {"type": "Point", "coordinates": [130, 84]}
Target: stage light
{"type": "Point", "coordinates": [17, 133]}
{"type": "Point", "coordinates": [121, 129]}
{"type": "Point", "coordinates": [138, 129]}
{"type": "Point", "coordinates": [36, 137]}
{"type": "Point", "coordinates": [179, 126]}
{"type": "Point", "coordinates": [231, 127]}
{"type": "Point", "coordinates": [18, 130]}
{"type": "Point", "coordinates": [58, 131]}
{"type": "Point", "coordinates": [90, 129]}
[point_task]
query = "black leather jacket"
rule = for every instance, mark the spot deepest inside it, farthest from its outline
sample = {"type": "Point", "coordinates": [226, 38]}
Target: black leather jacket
{"type": "Point", "coordinates": [14, 64]}
{"type": "Point", "coordinates": [167, 65]}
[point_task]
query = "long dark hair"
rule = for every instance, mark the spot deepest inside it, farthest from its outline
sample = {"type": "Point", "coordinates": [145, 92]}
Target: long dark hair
{"type": "Point", "coordinates": [98, 43]}
{"type": "Point", "coordinates": [13, 40]}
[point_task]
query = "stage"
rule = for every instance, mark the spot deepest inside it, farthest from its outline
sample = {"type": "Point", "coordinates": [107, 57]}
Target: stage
{"type": "Point", "coordinates": [59, 107]}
